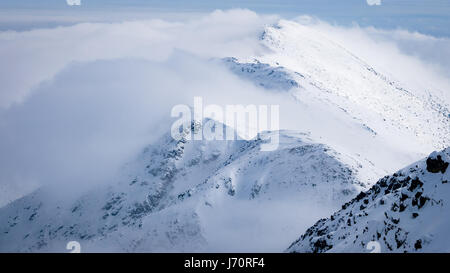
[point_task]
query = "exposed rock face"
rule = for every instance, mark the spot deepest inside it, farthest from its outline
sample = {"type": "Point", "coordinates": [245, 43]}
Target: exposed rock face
{"type": "Point", "coordinates": [405, 212]}
{"type": "Point", "coordinates": [435, 165]}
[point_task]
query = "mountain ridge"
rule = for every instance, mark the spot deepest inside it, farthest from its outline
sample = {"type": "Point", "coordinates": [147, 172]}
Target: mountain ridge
{"type": "Point", "coordinates": [404, 212]}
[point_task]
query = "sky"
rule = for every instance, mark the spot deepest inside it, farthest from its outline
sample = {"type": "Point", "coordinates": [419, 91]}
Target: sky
{"type": "Point", "coordinates": [425, 16]}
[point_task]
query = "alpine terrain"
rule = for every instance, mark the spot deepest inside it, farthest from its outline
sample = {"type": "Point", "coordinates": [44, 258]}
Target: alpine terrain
{"type": "Point", "coordinates": [350, 124]}
{"type": "Point", "coordinates": [404, 212]}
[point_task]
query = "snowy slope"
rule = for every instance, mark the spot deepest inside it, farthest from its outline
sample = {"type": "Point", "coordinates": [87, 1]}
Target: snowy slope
{"type": "Point", "coordinates": [405, 212]}
{"type": "Point", "coordinates": [191, 196]}
{"type": "Point", "coordinates": [352, 83]}
{"type": "Point", "coordinates": [385, 121]}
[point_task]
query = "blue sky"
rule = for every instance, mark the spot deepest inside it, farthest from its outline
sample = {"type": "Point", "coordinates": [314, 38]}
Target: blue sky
{"type": "Point", "coordinates": [426, 16]}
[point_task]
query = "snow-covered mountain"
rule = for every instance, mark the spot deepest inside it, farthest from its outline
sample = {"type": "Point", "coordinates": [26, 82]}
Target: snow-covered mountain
{"type": "Point", "coordinates": [405, 212]}
{"type": "Point", "coordinates": [366, 93]}
{"type": "Point", "coordinates": [349, 124]}
{"type": "Point", "coordinates": [345, 102]}
{"type": "Point", "coordinates": [186, 195]}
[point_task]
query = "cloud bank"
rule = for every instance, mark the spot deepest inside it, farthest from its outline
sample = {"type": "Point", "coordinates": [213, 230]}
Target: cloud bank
{"type": "Point", "coordinates": [33, 56]}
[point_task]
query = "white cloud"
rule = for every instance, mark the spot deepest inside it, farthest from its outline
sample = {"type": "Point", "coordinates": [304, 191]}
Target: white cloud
{"type": "Point", "coordinates": [374, 2]}
{"type": "Point", "coordinates": [420, 62]}
{"type": "Point", "coordinates": [30, 57]}
{"type": "Point", "coordinates": [73, 2]}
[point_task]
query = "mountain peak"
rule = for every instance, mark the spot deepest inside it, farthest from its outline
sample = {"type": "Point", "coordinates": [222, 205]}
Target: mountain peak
{"type": "Point", "coordinates": [174, 197]}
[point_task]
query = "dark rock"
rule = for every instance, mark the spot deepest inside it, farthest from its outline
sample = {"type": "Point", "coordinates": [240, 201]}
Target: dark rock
{"type": "Point", "coordinates": [404, 197]}
{"type": "Point", "coordinates": [402, 207]}
{"type": "Point", "coordinates": [360, 196]}
{"type": "Point", "coordinates": [418, 244]}
{"type": "Point", "coordinates": [415, 184]}
{"type": "Point", "coordinates": [436, 165]}
{"type": "Point", "coordinates": [394, 207]}
{"type": "Point", "coordinates": [321, 245]}
{"type": "Point", "coordinates": [422, 201]}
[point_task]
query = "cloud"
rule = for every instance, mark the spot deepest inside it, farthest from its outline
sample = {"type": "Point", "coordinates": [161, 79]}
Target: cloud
{"type": "Point", "coordinates": [73, 2]}
{"type": "Point", "coordinates": [30, 57]}
{"type": "Point", "coordinates": [373, 2]}
{"type": "Point", "coordinates": [420, 62]}
{"type": "Point", "coordinates": [77, 129]}
{"type": "Point", "coordinates": [435, 52]}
